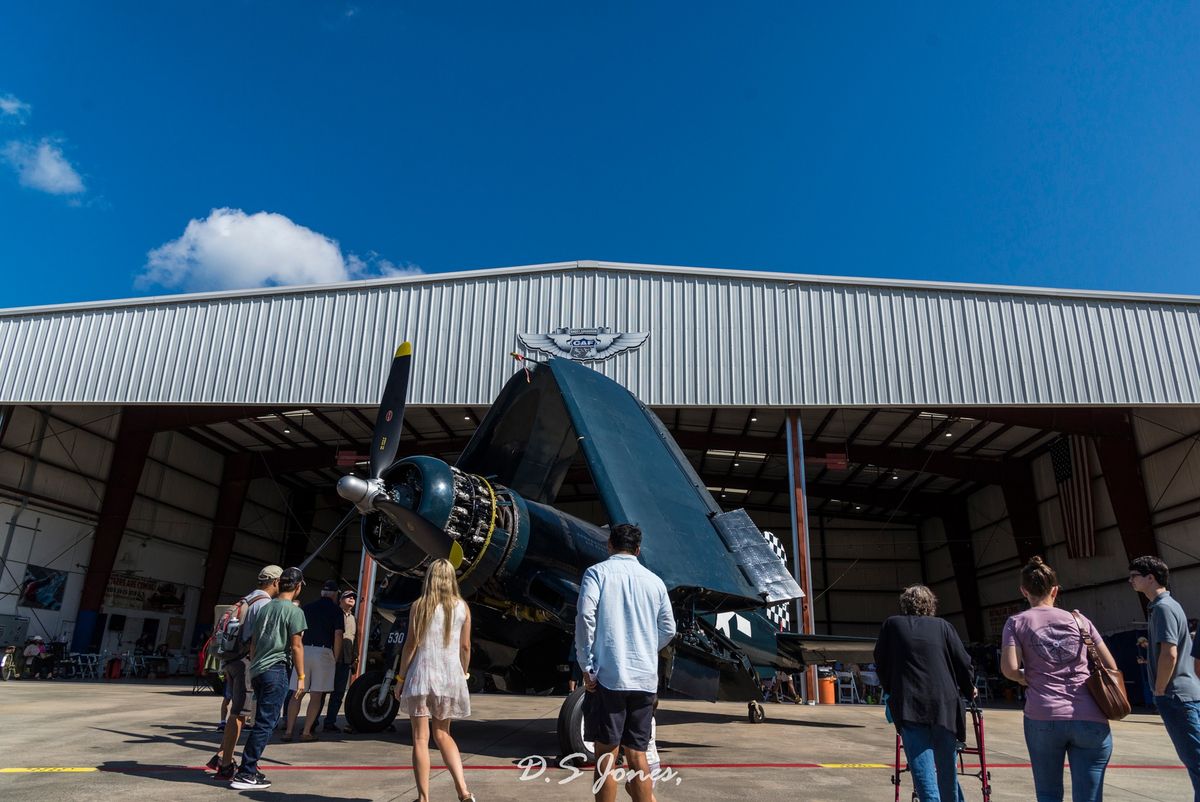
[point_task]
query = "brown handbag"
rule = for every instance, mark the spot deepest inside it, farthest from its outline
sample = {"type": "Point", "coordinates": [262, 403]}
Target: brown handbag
{"type": "Point", "coordinates": [1107, 685]}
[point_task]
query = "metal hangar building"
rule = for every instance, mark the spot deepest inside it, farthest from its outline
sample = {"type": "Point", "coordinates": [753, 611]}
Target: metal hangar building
{"type": "Point", "coordinates": [156, 452]}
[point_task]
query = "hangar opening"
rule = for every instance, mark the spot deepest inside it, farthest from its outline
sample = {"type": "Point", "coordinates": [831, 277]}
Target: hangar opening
{"type": "Point", "coordinates": [148, 479]}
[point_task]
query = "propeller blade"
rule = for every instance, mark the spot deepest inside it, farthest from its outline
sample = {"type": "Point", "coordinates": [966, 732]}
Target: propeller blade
{"type": "Point", "coordinates": [432, 541]}
{"type": "Point", "coordinates": [341, 525]}
{"type": "Point", "coordinates": [390, 422]}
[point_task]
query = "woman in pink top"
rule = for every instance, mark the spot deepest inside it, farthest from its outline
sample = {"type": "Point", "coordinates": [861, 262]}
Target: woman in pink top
{"type": "Point", "coordinates": [1043, 650]}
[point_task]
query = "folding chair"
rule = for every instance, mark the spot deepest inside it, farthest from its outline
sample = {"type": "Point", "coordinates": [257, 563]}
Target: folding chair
{"type": "Point", "coordinates": [847, 689]}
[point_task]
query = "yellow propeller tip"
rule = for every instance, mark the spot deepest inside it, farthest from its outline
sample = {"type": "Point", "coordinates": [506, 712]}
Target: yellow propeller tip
{"type": "Point", "coordinates": [456, 555]}
{"type": "Point", "coordinates": [405, 349]}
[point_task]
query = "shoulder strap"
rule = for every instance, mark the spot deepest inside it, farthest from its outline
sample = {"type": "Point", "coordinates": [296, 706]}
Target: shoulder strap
{"type": "Point", "coordinates": [1086, 635]}
{"type": "Point", "coordinates": [1088, 645]}
{"type": "Point", "coordinates": [237, 605]}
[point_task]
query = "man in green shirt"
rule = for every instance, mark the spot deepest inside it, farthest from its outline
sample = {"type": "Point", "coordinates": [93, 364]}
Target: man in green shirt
{"type": "Point", "coordinates": [275, 648]}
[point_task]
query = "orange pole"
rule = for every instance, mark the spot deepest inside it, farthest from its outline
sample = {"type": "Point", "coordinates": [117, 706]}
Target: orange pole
{"type": "Point", "coordinates": [366, 605]}
{"type": "Point", "coordinates": [801, 561]}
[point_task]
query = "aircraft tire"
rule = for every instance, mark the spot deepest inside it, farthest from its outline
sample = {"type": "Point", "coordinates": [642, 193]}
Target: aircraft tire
{"type": "Point", "coordinates": [570, 727]}
{"type": "Point", "coordinates": [755, 713]}
{"type": "Point", "coordinates": [361, 710]}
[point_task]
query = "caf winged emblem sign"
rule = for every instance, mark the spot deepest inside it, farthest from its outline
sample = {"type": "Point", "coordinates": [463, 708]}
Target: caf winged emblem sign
{"type": "Point", "coordinates": [583, 345]}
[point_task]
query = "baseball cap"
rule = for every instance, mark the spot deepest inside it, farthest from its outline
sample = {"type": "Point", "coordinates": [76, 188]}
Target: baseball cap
{"type": "Point", "coordinates": [291, 576]}
{"type": "Point", "coordinates": [269, 573]}
{"type": "Point", "coordinates": [349, 594]}
{"type": "Point", "coordinates": [330, 586]}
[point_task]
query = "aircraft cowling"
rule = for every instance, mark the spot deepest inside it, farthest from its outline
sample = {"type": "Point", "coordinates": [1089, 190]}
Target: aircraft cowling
{"type": "Point", "coordinates": [489, 522]}
{"type": "Point", "coordinates": [531, 554]}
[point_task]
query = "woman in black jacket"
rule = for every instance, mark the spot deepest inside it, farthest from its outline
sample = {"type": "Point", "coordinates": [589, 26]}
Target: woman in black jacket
{"type": "Point", "coordinates": [925, 671]}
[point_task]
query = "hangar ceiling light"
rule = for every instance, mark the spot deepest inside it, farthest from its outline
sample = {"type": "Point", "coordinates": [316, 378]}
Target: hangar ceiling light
{"type": "Point", "coordinates": [751, 455]}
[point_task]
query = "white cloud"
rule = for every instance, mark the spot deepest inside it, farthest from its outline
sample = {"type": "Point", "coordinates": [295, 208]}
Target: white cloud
{"type": "Point", "coordinates": [375, 266]}
{"type": "Point", "coordinates": [43, 166]}
{"type": "Point", "coordinates": [12, 106]}
{"type": "Point", "coordinates": [230, 249]}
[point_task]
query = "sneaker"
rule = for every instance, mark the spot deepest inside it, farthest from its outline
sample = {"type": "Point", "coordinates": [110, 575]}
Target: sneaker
{"type": "Point", "coordinates": [248, 782]}
{"type": "Point", "coordinates": [225, 773]}
{"type": "Point", "coordinates": [214, 762]}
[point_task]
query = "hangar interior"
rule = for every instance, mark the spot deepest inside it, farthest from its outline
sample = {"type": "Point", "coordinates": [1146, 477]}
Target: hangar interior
{"type": "Point", "coordinates": [189, 502]}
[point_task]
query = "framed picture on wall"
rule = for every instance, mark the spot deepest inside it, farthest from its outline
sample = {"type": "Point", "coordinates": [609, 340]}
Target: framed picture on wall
{"type": "Point", "coordinates": [42, 588]}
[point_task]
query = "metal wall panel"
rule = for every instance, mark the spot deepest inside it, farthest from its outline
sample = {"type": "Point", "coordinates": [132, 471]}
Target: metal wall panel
{"type": "Point", "coordinates": [717, 338]}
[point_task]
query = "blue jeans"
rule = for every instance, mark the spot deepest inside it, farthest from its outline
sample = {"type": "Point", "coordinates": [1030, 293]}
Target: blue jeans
{"type": "Point", "coordinates": [270, 690]}
{"type": "Point", "coordinates": [931, 753]}
{"type": "Point", "coordinates": [1088, 744]}
{"type": "Point", "coordinates": [1182, 720]}
{"type": "Point", "coordinates": [341, 675]}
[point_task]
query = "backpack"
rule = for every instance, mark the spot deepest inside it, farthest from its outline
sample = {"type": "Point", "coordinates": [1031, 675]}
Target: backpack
{"type": "Point", "coordinates": [229, 638]}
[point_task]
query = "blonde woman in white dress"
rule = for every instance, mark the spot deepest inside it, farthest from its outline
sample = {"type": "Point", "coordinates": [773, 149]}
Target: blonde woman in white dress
{"type": "Point", "coordinates": [432, 683]}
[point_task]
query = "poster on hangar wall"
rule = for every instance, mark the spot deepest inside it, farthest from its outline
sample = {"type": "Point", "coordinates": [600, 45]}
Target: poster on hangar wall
{"type": "Point", "coordinates": [143, 593]}
{"type": "Point", "coordinates": [42, 588]}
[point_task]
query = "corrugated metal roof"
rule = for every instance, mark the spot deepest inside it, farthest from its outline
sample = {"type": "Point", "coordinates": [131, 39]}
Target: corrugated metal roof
{"type": "Point", "coordinates": [717, 338]}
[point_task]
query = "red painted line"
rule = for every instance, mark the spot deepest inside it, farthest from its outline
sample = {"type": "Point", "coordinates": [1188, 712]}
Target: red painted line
{"type": "Point", "coordinates": [551, 766]}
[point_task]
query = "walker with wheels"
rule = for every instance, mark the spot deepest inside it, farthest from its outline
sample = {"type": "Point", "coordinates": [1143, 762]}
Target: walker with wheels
{"type": "Point", "coordinates": [983, 775]}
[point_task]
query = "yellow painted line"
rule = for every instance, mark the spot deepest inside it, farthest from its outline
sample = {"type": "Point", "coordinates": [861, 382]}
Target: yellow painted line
{"type": "Point", "coordinates": [50, 770]}
{"type": "Point", "coordinates": [855, 766]}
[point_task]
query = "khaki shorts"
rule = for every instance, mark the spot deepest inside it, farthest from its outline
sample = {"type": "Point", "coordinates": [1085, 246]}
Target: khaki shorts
{"type": "Point", "coordinates": [241, 693]}
{"type": "Point", "coordinates": [319, 669]}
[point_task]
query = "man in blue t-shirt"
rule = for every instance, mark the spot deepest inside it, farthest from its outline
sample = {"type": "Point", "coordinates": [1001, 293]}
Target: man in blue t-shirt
{"type": "Point", "coordinates": [1173, 675]}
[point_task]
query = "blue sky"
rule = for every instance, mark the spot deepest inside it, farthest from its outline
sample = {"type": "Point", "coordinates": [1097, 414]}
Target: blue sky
{"type": "Point", "coordinates": [150, 148]}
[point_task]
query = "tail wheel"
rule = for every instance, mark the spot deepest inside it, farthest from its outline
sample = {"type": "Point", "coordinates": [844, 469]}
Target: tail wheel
{"type": "Point", "coordinates": [363, 709]}
{"type": "Point", "coordinates": [755, 713]}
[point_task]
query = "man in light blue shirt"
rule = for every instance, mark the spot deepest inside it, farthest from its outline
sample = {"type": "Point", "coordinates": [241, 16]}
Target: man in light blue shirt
{"type": "Point", "coordinates": [624, 619]}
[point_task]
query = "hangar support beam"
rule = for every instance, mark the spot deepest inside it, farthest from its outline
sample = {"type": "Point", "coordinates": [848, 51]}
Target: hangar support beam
{"type": "Point", "coordinates": [891, 500]}
{"type": "Point", "coordinates": [1053, 419]}
{"type": "Point", "coordinates": [962, 557]}
{"type": "Point", "coordinates": [1122, 468]}
{"type": "Point", "coordinates": [235, 481]}
{"type": "Point", "coordinates": [130, 450]}
{"type": "Point", "coordinates": [975, 469]}
{"type": "Point", "coordinates": [1020, 497]}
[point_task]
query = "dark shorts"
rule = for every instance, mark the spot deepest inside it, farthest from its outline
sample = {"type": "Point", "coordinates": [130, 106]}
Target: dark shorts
{"type": "Point", "coordinates": [619, 717]}
{"type": "Point", "coordinates": [236, 681]}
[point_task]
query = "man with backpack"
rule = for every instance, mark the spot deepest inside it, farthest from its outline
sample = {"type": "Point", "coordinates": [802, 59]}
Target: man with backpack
{"type": "Point", "coordinates": [275, 649]}
{"type": "Point", "coordinates": [231, 641]}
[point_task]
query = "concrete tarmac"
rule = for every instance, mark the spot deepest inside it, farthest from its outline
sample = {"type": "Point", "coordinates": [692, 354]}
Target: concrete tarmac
{"type": "Point", "coordinates": [124, 740]}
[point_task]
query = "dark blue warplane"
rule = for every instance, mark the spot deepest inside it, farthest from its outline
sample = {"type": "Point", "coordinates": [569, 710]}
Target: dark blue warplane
{"type": "Point", "coordinates": [520, 559]}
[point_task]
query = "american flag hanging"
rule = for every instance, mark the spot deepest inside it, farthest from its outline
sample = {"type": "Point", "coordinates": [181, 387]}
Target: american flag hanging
{"type": "Point", "coordinates": [1069, 456]}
